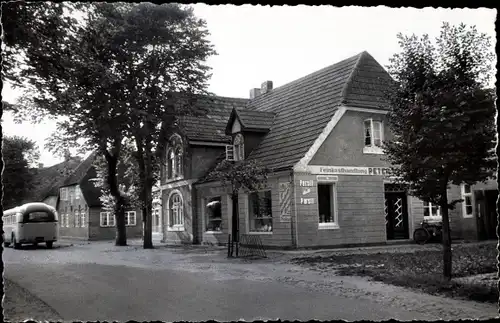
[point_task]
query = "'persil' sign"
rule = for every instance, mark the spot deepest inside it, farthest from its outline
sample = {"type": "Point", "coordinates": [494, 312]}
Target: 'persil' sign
{"type": "Point", "coordinates": [348, 170]}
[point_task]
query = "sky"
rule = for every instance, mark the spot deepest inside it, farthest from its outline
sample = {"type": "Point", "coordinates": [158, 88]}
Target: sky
{"type": "Point", "coordinates": [283, 43]}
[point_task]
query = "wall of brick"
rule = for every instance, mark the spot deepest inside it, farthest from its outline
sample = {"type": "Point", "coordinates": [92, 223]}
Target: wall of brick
{"type": "Point", "coordinates": [178, 237]}
{"type": "Point", "coordinates": [360, 207]}
{"type": "Point", "coordinates": [281, 235]}
{"type": "Point", "coordinates": [96, 232]}
{"type": "Point", "coordinates": [71, 207]}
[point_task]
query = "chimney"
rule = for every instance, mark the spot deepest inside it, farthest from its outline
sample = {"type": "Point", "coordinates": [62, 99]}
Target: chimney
{"type": "Point", "coordinates": [40, 165]}
{"type": "Point", "coordinates": [254, 93]}
{"type": "Point", "coordinates": [67, 155]}
{"type": "Point", "coordinates": [267, 86]}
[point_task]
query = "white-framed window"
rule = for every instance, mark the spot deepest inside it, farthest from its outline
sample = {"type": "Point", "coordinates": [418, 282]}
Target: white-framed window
{"type": "Point", "coordinates": [373, 136]}
{"type": "Point", "coordinates": [239, 147]}
{"type": "Point", "coordinates": [156, 220]}
{"type": "Point", "coordinates": [213, 214]}
{"type": "Point", "coordinates": [78, 192]}
{"type": "Point", "coordinates": [260, 212]}
{"type": "Point", "coordinates": [431, 209]}
{"type": "Point", "coordinates": [63, 192]}
{"type": "Point", "coordinates": [327, 206]}
{"type": "Point", "coordinates": [130, 218]}
{"type": "Point", "coordinates": [107, 219]}
{"type": "Point", "coordinates": [76, 216]}
{"type": "Point", "coordinates": [64, 220]}
{"type": "Point", "coordinates": [467, 208]}
{"type": "Point", "coordinates": [82, 220]}
{"type": "Point", "coordinates": [175, 212]}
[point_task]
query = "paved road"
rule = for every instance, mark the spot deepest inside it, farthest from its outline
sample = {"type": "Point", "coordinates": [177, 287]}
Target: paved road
{"type": "Point", "coordinates": [103, 282]}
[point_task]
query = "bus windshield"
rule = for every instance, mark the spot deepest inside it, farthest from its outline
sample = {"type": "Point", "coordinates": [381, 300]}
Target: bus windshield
{"type": "Point", "coordinates": [38, 216]}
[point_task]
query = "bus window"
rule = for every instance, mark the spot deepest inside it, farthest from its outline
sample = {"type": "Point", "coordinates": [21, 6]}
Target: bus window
{"type": "Point", "coordinates": [39, 216]}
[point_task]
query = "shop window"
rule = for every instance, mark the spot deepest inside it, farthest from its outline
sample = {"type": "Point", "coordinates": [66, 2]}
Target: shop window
{"type": "Point", "coordinates": [373, 133]}
{"type": "Point", "coordinates": [130, 218]}
{"type": "Point", "coordinates": [327, 209]}
{"type": "Point", "coordinates": [467, 201]}
{"type": "Point", "coordinates": [431, 209]}
{"type": "Point", "coordinates": [213, 214]}
{"type": "Point", "coordinates": [260, 212]}
{"type": "Point", "coordinates": [176, 213]}
{"type": "Point", "coordinates": [107, 219]}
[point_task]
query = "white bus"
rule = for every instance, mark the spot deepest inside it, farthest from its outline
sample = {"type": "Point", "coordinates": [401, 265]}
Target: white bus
{"type": "Point", "coordinates": [30, 223]}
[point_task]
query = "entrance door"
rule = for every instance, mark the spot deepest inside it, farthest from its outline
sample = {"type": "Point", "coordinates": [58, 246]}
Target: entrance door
{"type": "Point", "coordinates": [396, 215]}
{"type": "Point", "coordinates": [487, 219]}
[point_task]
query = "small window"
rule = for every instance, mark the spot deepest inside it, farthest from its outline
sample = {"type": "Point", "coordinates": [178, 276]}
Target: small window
{"type": "Point", "coordinates": [63, 191]}
{"type": "Point", "coordinates": [373, 133]}
{"type": "Point", "coordinates": [77, 218]}
{"type": "Point", "coordinates": [260, 212]}
{"type": "Point", "coordinates": [213, 214]}
{"type": "Point", "coordinates": [239, 147]}
{"type": "Point", "coordinates": [326, 204]}
{"type": "Point", "coordinates": [230, 152]}
{"type": "Point", "coordinates": [71, 192]}
{"type": "Point", "coordinates": [467, 208]}
{"type": "Point", "coordinates": [175, 158]}
{"type": "Point", "coordinates": [431, 209]}
{"type": "Point", "coordinates": [130, 218]}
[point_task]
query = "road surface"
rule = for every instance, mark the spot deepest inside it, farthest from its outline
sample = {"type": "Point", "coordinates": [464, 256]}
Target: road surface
{"type": "Point", "coordinates": [98, 281]}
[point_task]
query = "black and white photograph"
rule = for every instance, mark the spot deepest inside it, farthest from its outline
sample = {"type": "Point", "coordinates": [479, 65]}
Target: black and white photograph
{"type": "Point", "coordinates": [194, 162]}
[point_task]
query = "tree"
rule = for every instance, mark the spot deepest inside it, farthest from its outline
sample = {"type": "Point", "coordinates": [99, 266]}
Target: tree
{"type": "Point", "coordinates": [18, 154]}
{"type": "Point", "coordinates": [248, 175]}
{"type": "Point", "coordinates": [30, 28]}
{"type": "Point", "coordinates": [127, 72]}
{"type": "Point", "coordinates": [442, 117]}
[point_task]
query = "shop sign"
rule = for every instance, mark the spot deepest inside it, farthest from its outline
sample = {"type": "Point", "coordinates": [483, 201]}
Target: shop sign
{"type": "Point", "coordinates": [285, 202]}
{"type": "Point", "coordinates": [325, 178]}
{"type": "Point", "coordinates": [348, 170]}
{"type": "Point", "coordinates": [306, 201]}
{"type": "Point", "coordinates": [309, 183]}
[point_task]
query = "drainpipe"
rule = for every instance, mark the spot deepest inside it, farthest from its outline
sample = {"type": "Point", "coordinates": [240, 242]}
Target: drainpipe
{"type": "Point", "coordinates": [292, 182]}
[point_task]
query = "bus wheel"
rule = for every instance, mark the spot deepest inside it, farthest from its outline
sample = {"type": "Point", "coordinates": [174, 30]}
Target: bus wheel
{"type": "Point", "coordinates": [16, 244]}
{"type": "Point", "coordinates": [49, 244]}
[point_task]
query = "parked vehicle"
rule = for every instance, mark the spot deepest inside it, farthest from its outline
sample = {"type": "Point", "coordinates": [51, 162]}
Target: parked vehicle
{"type": "Point", "coordinates": [30, 223]}
{"type": "Point", "coordinates": [430, 230]}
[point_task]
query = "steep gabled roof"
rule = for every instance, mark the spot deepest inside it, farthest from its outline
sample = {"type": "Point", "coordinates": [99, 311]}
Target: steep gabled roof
{"type": "Point", "coordinates": [251, 120]}
{"type": "Point", "coordinates": [304, 107]}
{"type": "Point", "coordinates": [48, 180]}
{"type": "Point", "coordinates": [211, 126]}
{"type": "Point", "coordinates": [80, 172]}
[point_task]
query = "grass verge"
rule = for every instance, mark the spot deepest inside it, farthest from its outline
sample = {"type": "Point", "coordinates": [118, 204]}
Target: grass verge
{"type": "Point", "coordinates": [421, 270]}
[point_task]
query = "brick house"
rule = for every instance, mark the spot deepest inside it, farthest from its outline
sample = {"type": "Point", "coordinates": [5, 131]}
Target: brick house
{"type": "Point", "coordinates": [321, 136]}
{"type": "Point", "coordinates": [80, 212]}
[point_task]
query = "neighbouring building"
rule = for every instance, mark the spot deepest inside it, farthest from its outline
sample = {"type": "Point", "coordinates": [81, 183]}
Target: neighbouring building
{"type": "Point", "coordinates": [80, 210]}
{"type": "Point", "coordinates": [47, 180]}
{"type": "Point", "coordinates": [321, 137]}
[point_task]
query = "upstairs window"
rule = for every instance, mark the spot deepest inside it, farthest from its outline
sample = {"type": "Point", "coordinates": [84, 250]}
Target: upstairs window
{"type": "Point", "coordinates": [373, 133]}
{"type": "Point", "coordinates": [239, 147]}
{"type": "Point", "coordinates": [63, 191]}
{"type": "Point", "coordinates": [174, 158]}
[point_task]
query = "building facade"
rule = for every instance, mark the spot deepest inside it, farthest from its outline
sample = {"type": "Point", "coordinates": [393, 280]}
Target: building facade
{"type": "Point", "coordinates": [321, 138]}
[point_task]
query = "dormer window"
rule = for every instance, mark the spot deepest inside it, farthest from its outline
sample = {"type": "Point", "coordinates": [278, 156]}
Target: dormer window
{"type": "Point", "coordinates": [239, 147]}
{"type": "Point", "coordinates": [174, 158]}
{"type": "Point", "coordinates": [373, 133]}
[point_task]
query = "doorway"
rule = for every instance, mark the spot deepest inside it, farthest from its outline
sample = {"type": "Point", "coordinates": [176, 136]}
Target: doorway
{"type": "Point", "coordinates": [486, 214]}
{"type": "Point", "coordinates": [396, 213]}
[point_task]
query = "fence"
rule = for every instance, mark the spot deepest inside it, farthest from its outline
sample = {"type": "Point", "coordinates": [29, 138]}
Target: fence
{"type": "Point", "coordinates": [248, 246]}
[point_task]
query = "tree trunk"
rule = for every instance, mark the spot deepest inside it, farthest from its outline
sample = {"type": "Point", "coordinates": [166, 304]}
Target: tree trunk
{"type": "Point", "coordinates": [146, 183]}
{"type": "Point", "coordinates": [447, 259]}
{"type": "Point", "coordinates": [119, 209]}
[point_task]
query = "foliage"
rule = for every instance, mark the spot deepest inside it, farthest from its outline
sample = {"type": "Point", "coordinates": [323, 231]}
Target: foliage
{"type": "Point", "coordinates": [19, 154]}
{"type": "Point", "coordinates": [442, 114]}
{"type": "Point", "coordinates": [249, 174]}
